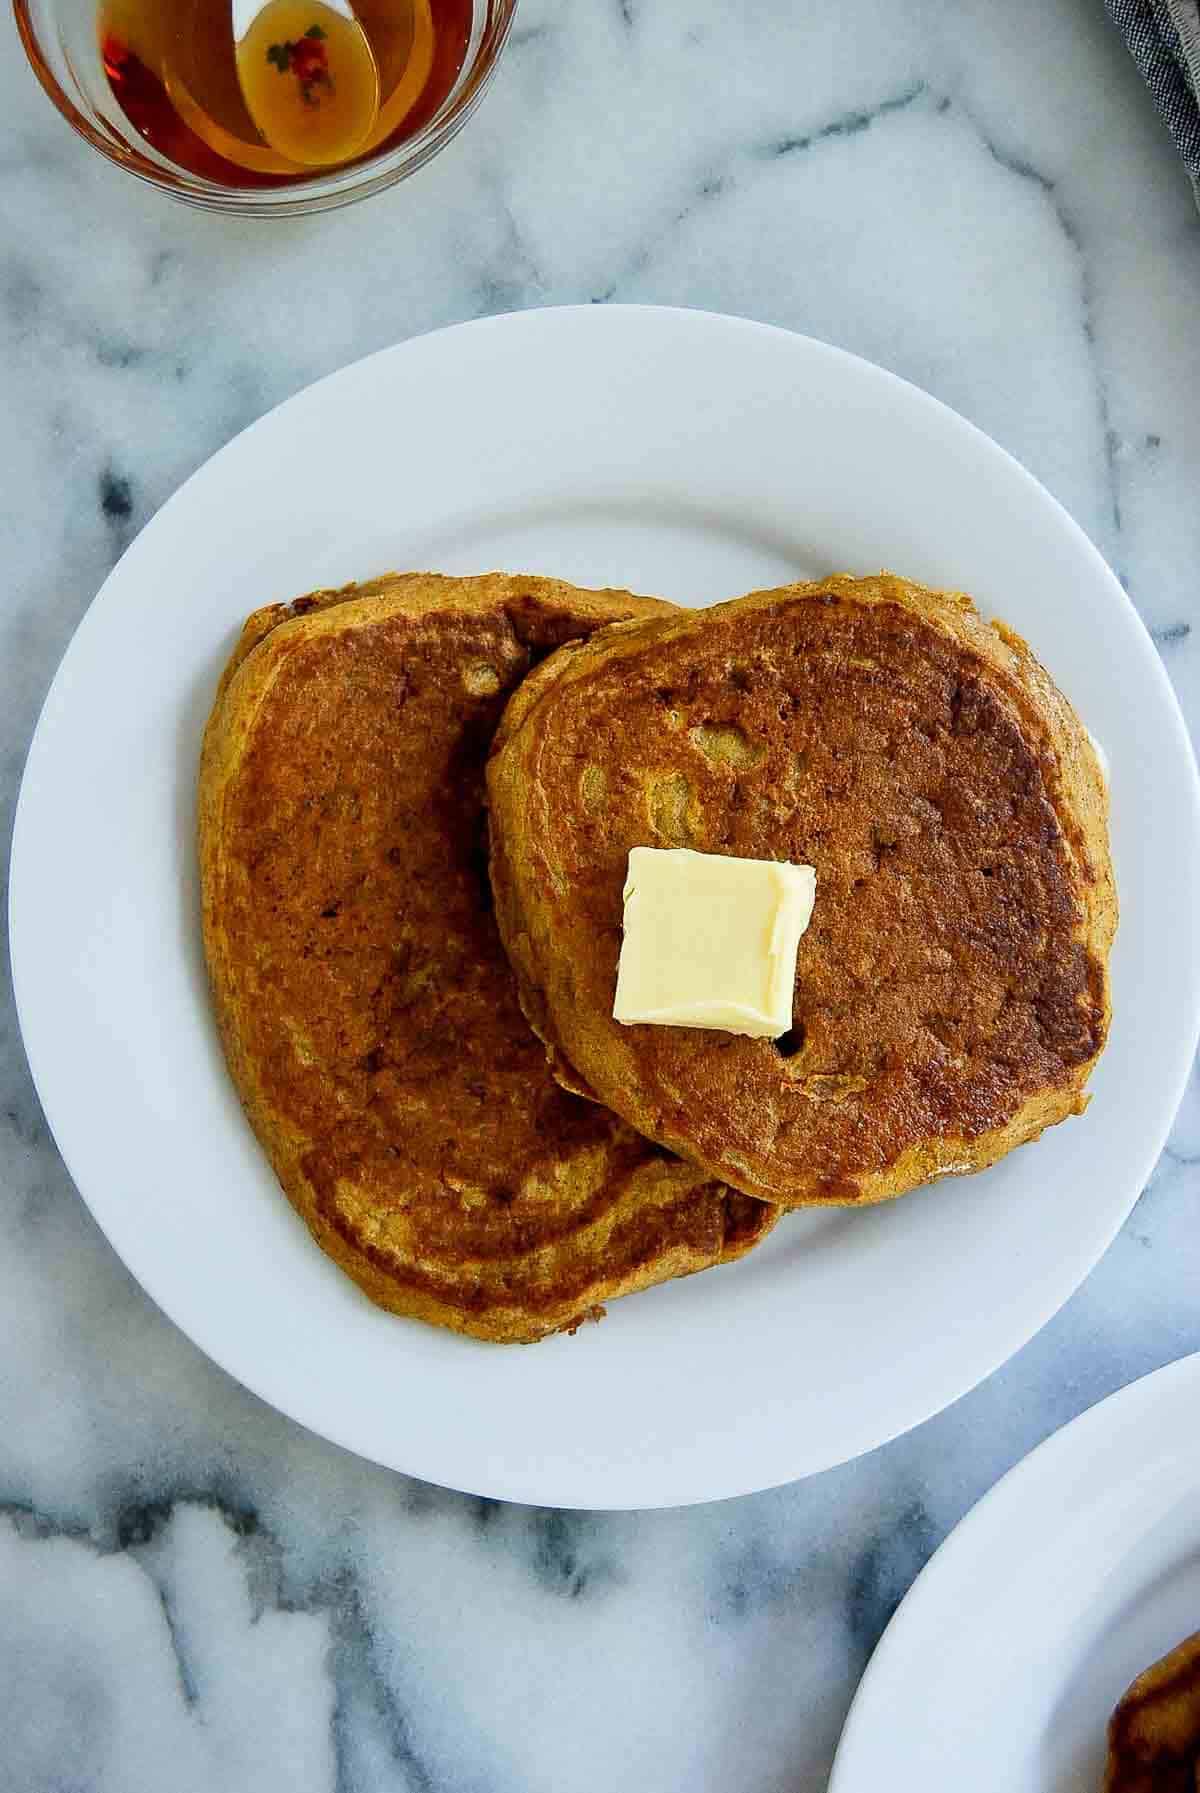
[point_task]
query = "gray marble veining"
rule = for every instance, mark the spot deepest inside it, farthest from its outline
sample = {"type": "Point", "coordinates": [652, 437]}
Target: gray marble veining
{"type": "Point", "coordinates": [194, 1593]}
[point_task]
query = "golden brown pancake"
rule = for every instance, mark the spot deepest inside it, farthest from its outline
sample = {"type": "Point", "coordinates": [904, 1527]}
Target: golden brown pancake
{"type": "Point", "coordinates": [369, 1017]}
{"type": "Point", "coordinates": [951, 992]}
{"type": "Point", "coordinates": [1154, 1734]}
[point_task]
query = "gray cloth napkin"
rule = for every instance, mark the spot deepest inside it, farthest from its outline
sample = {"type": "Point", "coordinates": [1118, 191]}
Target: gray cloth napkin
{"type": "Point", "coordinates": [1164, 40]}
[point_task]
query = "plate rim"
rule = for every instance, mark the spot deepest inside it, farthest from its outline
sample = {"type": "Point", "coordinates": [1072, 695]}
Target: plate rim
{"type": "Point", "coordinates": [1101, 1420]}
{"type": "Point", "coordinates": [617, 317]}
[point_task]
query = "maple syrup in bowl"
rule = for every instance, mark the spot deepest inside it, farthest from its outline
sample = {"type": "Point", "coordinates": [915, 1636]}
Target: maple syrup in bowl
{"type": "Point", "coordinates": [279, 107]}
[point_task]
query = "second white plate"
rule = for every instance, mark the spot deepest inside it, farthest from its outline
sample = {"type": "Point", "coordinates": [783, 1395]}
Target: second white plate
{"type": "Point", "coordinates": [1077, 1571]}
{"type": "Point", "coordinates": [676, 453]}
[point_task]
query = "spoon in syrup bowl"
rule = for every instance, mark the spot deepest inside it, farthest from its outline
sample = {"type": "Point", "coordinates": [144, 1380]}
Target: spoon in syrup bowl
{"type": "Point", "coordinates": [308, 77]}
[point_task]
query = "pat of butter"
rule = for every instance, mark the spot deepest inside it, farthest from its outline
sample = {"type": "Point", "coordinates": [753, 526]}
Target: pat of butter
{"type": "Point", "coordinates": [1100, 755]}
{"type": "Point", "coordinates": [710, 941]}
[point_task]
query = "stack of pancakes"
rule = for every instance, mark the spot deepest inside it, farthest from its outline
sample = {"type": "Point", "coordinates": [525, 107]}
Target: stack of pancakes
{"type": "Point", "coordinates": [417, 800]}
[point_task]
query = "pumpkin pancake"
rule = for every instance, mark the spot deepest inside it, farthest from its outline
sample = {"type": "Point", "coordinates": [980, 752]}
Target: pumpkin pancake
{"type": "Point", "coordinates": [1154, 1734]}
{"type": "Point", "coordinates": [951, 993]}
{"type": "Point", "coordinates": [369, 1017]}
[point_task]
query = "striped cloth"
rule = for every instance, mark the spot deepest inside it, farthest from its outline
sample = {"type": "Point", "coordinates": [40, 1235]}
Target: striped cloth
{"type": "Point", "coordinates": [1164, 40]}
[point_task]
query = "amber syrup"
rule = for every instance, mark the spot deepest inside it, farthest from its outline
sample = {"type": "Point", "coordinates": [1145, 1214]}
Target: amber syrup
{"type": "Point", "coordinates": [314, 103]}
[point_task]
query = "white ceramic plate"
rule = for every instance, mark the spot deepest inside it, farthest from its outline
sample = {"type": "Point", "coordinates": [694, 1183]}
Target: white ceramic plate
{"type": "Point", "coordinates": [1077, 1571]}
{"type": "Point", "coordinates": [678, 453]}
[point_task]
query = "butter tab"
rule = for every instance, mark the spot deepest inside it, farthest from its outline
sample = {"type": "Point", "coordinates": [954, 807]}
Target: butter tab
{"type": "Point", "coordinates": [710, 940]}
{"type": "Point", "coordinates": [1101, 756]}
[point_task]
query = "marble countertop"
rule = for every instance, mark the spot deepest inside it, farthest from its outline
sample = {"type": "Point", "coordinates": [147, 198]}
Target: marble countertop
{"type": "Point", "coordinates": [194, 1593]}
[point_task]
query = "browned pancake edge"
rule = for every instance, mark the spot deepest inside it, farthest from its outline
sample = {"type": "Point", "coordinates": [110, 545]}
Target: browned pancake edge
{"type": "Point", "coordinates": [1154, 1733]}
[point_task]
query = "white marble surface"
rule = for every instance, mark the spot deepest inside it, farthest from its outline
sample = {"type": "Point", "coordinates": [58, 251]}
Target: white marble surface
{"type": "Point", "coordinates": [193, 1592]}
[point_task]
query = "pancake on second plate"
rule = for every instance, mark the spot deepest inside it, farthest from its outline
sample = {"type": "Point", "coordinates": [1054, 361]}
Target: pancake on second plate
{"type": "Point", "coordinates": [369, 1017]}
{"type": "Point", "coordinates": [951, 992]}
{"type": "Point", "coordinates": [1154, 1734]}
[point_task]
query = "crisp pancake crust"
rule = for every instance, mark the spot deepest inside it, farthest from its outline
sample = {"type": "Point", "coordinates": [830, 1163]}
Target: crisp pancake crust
{"type": "Point", "coordinates": [1154, 1734]}
{"type": "Point", "coordinates": [369, 1017]}
{"type": "Point", "coordinates": [951, 992]}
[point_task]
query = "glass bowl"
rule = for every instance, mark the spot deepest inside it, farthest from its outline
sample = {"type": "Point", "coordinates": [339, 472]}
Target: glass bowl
{"type": "Point", "coordinates": [61, 41]}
